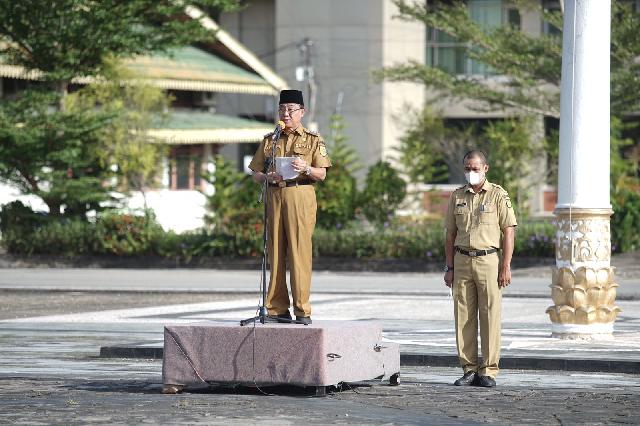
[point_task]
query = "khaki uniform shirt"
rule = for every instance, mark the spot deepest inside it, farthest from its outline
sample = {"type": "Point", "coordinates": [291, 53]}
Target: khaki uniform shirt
{"type": "Point", "coordinates": [479, 218]}
{"type": "Point", "coordinates": [301, 142]}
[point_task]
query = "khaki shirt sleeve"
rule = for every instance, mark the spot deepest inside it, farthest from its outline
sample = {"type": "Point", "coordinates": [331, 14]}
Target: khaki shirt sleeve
{"type": "Point", "coordinates": [320, 156]}
{"type": "Point", "coordinates": [257, 162]}
{"type": "Point", "coordinates": [450, 218]}
{"type": "Point", "coordinates": [506, 215]}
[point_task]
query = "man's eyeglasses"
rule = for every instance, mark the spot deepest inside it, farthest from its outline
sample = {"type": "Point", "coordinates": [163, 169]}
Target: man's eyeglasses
{"type": "Point", "coordinates": [288, 110]}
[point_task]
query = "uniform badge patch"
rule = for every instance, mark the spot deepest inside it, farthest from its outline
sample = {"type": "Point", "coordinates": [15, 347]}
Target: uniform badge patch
{"type": "Point", "coordinates": [323, 150]}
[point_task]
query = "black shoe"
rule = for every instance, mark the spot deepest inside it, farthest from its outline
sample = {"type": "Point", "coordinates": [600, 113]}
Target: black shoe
{"type": "Point", "coordinates": [466, 380]}
{"type": "Point", "coordinates": [284, 316]}
{"type": "Point", "coordinates": [304, 320]}
{"type": "Point", "coordinates": [485, 382]}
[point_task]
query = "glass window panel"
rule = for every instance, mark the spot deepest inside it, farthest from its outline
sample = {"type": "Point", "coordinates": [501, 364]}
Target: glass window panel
{"type": "Point", "coordinates": [182, 171]}
{"type": "Point", "coordinates": [513, 18]}
{"type": "Point", "coordinates": [431, 53]}
{"type": "Point", "coordinates": [197, 168]}
{"type": "Point", "coordinates": [447, 59]}
{"type": "Point", "coordinates": [478, 68]}
{"type": "Point", "coordinates": [442, 37]}
{"type": "Point", "coordinates": [487, 13]}
{"type": "Point", "coordinates": [443, 51]}
{"type": "Point", "coordinates": [461, 60]}
{"type": "Point", "coordinates": [547, 28]}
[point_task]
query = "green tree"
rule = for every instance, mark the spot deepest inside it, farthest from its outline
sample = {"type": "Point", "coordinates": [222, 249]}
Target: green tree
{"type": "Point", "coordinates": [65, 39]}
{"type": "Point", "coordinates": [337, 195]}
{"type": "Point", "coordinates": [506, 142]}
{"type": "Point", "coordinates": [625, 194]}
{"type": "Point", "coordinates": [234, 202]}
{"type": "Point", "coordinates": [53, 154]}
{"type": "Point", "coordinates": [57, 154]}
{"type": "Point", "coordinates": [530, 62]}
{"type": "Point", "coordinates": [430, 151]}
{"type": "Point", "coordinates": [124, 142]}
{"type": "Point", "coordinates": [383, 193]}
{"type": "Point", "coordinates": [530, 66]}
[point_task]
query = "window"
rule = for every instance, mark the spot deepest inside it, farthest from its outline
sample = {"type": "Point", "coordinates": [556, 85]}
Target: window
{"type": "Point", "coordinates": [445, 52]}
{"type": "Point", "coordinates": [547, 28]}
{"type": "Point", "coordinates": [185, 167]}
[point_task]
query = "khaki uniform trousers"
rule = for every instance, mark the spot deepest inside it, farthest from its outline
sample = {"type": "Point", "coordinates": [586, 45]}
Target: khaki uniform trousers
{"type": "Point", "coordinates": [477, 296]}
{"type": "Point", "coordinates": [292, 219]}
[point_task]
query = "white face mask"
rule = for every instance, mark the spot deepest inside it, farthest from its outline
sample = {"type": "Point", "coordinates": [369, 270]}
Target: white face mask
{"type": "Point", "coordinates": [474, 178]}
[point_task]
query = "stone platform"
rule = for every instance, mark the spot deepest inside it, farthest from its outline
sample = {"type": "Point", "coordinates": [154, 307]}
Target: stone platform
{"type": "Point", "coordinates": [322, 354]}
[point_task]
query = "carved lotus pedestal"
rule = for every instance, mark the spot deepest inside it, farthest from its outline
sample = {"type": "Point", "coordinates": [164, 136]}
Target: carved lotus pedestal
{"type": "Point", "coordinates": [585, 297]}
{"type": "Point", "coordinates": [583, 285]}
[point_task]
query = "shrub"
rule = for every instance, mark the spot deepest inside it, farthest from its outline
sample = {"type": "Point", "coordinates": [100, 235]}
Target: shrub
{"type": "Point", "coordinates": [383, 193]}
{"type": "Point", "coordinates": [234, 202]}
{"type": "Point", "coordinates": [17, 221]}
{"type": "Point", "coordinates": [535, 239]}
{"type": "Point", "coordinates": [625, 222]}
{"type": "Point", "coordinates": [126, 234]}
{"type": "Point", "coordinates": [378, 242]}
{"type": "Point", "coordinates": [337, 195]}
{"type": "Point", "coordinates": [63, 237]}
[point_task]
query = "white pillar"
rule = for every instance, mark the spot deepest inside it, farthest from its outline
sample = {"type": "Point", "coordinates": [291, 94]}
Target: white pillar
{"type": "Point", "coordinates": [583, 287]}
{"type": "Point", "coordinates": [584, 105]}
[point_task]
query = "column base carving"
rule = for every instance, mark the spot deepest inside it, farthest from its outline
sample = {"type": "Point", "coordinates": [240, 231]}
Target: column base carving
{"type": "Point", "coordinates": [583, 286]}
{"type": "Point", "coordinates": [584, 297]}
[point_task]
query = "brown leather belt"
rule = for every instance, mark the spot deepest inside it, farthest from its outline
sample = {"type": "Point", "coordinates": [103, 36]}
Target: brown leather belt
{"type": "Point", "coordinates": [476, 253]}
{"type": "Point", "coordinates": [287, 183]}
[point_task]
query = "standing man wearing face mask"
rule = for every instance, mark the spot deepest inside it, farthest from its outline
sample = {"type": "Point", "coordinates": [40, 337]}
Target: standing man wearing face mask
{"type": "Point", "coordinates": [480, 225]}
{"type": "Point", "coordinates": [292, 207]}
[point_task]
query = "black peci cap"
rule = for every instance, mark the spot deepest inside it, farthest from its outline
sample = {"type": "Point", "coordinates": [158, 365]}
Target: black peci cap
{"type": "Point", "coordinates": [291, 97]}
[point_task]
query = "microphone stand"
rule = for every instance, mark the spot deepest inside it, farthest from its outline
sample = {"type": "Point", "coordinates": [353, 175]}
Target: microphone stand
{"type": "Point", "coordinates": [263, 314]}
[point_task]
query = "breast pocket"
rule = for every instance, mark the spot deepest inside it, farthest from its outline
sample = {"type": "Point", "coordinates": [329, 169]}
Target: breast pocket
{"type": "Point", "coordinates": [461, 213]}
{"type": "Point", "coordinates": [304, 153]}
{"type": "Point", "coordinates": [488, 214]}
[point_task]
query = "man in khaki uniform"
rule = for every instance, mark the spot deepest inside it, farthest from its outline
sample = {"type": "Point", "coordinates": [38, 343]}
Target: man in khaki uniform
{"type": "Point", "coordinates": [479, 244]}
{"type": "Point", "coordinates": [292, 207]}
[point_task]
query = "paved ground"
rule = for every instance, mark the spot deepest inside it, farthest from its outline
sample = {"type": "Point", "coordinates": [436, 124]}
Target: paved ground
{"type": "Point", "coordinates": [53, 323]}
{"type": "Point", "coordinates": [426, 397]}
{"type": "Point", "coordinates": [532, 282]}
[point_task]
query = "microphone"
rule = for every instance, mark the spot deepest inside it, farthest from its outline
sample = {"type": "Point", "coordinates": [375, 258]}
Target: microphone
{"type": "Point", "coordinates": [269, 162]}
{"type": "Point", "coordinates": [278, 130]}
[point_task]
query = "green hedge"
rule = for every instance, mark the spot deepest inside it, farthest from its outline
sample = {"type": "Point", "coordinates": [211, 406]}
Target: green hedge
{"type": "Point", "coordinates": [394, 241]}
{"type": "Point", "coordinates": [128, 235]}
{"type": "Point", "coordinates": [535, 239]}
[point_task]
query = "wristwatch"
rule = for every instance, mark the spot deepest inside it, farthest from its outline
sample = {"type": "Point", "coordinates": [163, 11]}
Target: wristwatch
{"type": "Point", "coordinates": [307, 171]}
{"type": "Point", "coordinates": [447, 268]}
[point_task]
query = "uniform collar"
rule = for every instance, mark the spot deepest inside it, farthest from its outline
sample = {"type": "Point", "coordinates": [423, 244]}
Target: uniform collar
{"type": "Point", "coordinates": [485, 187]}
{"type": "Point", "coordinates": [299, 130]}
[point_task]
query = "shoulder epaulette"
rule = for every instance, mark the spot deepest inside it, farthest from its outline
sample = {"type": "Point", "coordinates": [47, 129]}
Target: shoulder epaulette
{"type": "Point", "coordinates": [460, 187]}
{"type": "Point", "coordinates": [500, 189]}
{"type": "Point", "coordinates": [268, 135]}
{"type": "Point", "coordinates": [311, 132]}
{"type": "Point", "coordinates": [495, 185]}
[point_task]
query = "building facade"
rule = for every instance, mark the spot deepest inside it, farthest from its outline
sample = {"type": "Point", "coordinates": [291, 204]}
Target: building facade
{"type": "Point", "coordinates": [329, 49]}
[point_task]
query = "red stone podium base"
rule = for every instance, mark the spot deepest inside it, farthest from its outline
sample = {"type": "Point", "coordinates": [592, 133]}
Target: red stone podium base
{"type": "Point", "coordinates": [322, 354]}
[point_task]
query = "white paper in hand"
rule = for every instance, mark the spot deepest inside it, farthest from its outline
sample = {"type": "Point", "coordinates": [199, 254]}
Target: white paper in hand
{"type": "Point", "coordinates": [284, 168]}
